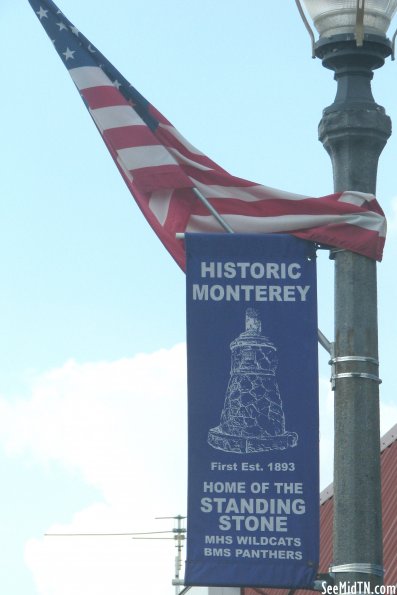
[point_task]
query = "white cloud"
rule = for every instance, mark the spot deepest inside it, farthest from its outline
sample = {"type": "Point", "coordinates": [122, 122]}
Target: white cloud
{"type": "Point", "coordinates": [99, 565]}
{"type": "Point", "coordinates": [95, 417]}
{"type": "Point", "coordinates": [122, 427]}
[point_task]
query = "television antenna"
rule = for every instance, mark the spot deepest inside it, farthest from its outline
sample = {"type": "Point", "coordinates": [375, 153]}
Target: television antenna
{"type": "Point", "coordinates": [179, 535]}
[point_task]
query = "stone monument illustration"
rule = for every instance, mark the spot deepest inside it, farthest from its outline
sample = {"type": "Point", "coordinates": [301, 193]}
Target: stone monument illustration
{"type": "Point", "coordinates": [252, 419]}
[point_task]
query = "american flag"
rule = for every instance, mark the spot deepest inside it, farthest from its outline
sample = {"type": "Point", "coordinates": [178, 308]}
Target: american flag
{"type": "Point", "coordinates": [166, 174]}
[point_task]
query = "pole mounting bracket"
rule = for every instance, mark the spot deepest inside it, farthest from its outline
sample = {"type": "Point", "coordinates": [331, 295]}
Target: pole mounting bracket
{"type": "Point", "coordinates": [361, 567]}
{"type": "Point", "coordinates": [356, 375]}
{"type": "Point", "coordinates": [353, 358]}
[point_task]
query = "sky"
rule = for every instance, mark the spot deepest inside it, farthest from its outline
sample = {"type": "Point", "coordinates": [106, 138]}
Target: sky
{"type": "Point", "coordinates": [92, 336]}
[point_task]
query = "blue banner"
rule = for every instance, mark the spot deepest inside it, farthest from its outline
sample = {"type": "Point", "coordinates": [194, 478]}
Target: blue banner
{"type": "Point", "coordinates": [253, 494]}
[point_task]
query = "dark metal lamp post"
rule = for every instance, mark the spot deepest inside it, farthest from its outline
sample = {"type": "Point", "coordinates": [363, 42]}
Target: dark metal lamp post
{"type": "Point", "coordinates": [354, 130]}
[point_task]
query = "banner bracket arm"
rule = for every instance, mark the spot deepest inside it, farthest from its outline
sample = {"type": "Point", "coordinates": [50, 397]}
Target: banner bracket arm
{"type": "Point", "coordinates": [324, 342]}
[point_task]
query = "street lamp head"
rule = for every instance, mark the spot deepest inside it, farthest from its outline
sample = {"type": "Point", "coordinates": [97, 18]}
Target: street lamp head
{"type": "Point", "coordinates": [343, 17]}
{"type": "Point", "coordinates": [352, 43]}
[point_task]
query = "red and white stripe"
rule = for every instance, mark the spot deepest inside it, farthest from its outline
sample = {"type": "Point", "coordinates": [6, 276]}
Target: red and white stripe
{"type": "Point", "coordinates": [161, 168]}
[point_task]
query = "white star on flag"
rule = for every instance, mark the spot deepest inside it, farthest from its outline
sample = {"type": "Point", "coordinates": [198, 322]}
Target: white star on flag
{"type": "Point", "coordinates": [42, 13]}
{"type": "Point", "coordinates": [69, 54]}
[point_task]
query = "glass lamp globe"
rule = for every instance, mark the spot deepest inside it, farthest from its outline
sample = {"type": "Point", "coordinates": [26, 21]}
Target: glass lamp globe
{"type": "Point", "coordinates": [336, 17]}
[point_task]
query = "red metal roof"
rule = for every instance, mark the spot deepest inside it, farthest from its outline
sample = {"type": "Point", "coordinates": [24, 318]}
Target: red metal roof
{"type": "Point", "coordinates": [389, 514]}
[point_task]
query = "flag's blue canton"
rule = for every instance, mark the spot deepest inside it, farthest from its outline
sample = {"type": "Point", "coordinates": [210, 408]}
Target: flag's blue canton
{"type": "Point", "coordinates": [76, 51]}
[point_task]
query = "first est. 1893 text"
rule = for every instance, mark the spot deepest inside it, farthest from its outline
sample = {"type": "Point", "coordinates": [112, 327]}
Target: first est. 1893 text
{"type": "Point", "coordinates": [244, 466]}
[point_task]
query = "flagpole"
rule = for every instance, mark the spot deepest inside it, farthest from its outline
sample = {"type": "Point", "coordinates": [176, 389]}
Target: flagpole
{"type": "Point", "coordinates": [212, 210]}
